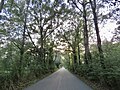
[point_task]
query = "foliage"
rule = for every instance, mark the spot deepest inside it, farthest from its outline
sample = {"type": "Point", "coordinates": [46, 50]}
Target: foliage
{"type": "Point", "coordinates": [32, 32]}
{"type": "Point", "coordinates": [112, 72]}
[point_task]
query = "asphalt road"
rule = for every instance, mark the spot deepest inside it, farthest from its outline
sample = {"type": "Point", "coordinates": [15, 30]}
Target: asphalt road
{"type": "Point", "coordinates": [60, 80]}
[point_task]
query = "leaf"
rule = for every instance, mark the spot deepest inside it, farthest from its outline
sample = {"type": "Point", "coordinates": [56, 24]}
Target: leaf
{"type": "Point", "coordinates": [12, 1]}
{"type": "Point", "coordinates": [2, 31]}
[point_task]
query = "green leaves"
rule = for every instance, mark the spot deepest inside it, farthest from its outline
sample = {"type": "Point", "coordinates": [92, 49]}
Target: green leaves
{"type": "Point", "coordinates": [3, 31]}
{"type": "Point", "coordinates": [12, 1]}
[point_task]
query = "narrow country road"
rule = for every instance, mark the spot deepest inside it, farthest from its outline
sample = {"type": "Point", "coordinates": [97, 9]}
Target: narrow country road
{"type": "Point", "coordinates": [60, 80]}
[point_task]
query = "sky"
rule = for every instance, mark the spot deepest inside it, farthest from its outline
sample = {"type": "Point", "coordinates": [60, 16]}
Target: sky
{"type": "Point", "coordinates": [106, 31]}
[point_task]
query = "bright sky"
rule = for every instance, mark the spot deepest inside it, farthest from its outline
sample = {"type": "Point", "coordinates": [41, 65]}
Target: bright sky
{"type": "Point", "coordinates": [106, 30]}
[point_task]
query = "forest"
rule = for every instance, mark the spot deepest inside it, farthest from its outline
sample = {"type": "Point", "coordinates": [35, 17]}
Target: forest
{"type": "Point", "coordinates": [37, 37]}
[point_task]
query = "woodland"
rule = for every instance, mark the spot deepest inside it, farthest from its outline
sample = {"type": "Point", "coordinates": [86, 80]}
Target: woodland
{"type": "Point", "coordinates": [39, 36]}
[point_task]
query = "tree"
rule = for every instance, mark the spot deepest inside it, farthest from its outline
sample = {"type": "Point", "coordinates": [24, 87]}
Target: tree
{"type": "Point", "coordinates": [71, 34]}
{"type": "Point", "coordinates": [1, 5]}
{"type": "Point", "coordinates": [93, 6]}
{"type": "Point", "coordinates": [46, 17]}
{"type": "Point", "coordinates": [83, 13]}
{"type": "Point", "coordinates": [86, 39]}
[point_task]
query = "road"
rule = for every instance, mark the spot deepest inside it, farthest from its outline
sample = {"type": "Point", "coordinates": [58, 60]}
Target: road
{"type": "Point", "coordinates": [60, 80]}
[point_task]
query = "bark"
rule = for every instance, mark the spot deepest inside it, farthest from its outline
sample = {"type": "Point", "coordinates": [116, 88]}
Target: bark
{"type": "Point", "coordinates": [69, 59]}
{"type": "Point", "coordinates": [42, 37]}
{"type": "Point", "coordinates": [79, 55]}
{"type": "Point", "coordinates": [74, 59]}
{"type": "Point", "coordinates": [42, 45]}
{"type": "Point", "coordinates": [86, 38]}
{"type": "Point", "coordinates": [1, 5]}
{"type": "Point", "coordinates": [74, 56]}
{"type": "Point", "coordinates": [69, 56]}
{"type": "Point", "coordinates": [23, 44]}
{"type": "Point", "coordinates": [101, 55]}
{"type": "Point", "coordinates": [22, 48]}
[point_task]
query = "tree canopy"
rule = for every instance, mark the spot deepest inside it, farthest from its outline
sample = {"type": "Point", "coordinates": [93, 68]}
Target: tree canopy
{"type": "Point", "coordinates": [39, 36]}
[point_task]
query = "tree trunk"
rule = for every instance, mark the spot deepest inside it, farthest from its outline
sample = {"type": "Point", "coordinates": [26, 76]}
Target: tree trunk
{"type": "Point", "coordinates": [74, 59]}
{"type": "Point", "coordinates": [42, 44]}
{"type": "Point", "coordinates": [69, 59]}
{"type": "Point", "coordinates": [22, 48]}
{"type": "Point", "coordinates": [79, 55]}
{"type": "Point", "coordinates": [1, 5]}
{"type": "Point", "coordinates": [74, 56]}
{"type": "Point", "coordinates": [97, 33]}
{"type": "Point", "coordinates": [69, 56]}
{"type": "Point", "coordinates": [86, 38]}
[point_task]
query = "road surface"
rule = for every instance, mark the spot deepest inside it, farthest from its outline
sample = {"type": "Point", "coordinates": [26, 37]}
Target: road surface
{"type": "Point", "coordinates": [60, 80]}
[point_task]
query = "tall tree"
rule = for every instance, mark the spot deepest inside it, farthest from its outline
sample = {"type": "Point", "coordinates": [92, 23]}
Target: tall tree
{"type": "Point", "coordinates": [83, 13]}
{"type": "Point", "coordinates": [93, 6]}
{"type": "Point", "coordinates": [46, 17]}
{"type": "Point", "coordinates": [22, 48]}
{"type": "Point", "coordinates": [71, 35]}
{"type": "Point", "coordinates": [86, 38]}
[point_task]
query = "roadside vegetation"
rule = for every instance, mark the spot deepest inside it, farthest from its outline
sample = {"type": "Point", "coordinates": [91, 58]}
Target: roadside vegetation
{"type": "Point", "coordinates": [39, 36]}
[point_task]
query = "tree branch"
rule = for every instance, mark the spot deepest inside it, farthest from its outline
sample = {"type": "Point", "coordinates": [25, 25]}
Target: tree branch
{"type": "Point", "coordinates": [67, 40]}
{"type": "Point", "coordinates": [31, 39]}
{"type": "Point", "coordinates": [16, 45]}
{"type": "Point", "coordinates": [1, 5]}
{"type": "Point", "coordinates": [77, 6]}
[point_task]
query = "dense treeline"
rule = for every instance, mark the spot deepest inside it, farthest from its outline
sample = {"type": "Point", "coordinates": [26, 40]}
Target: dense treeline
{"type": "Point", "coordinates": [96, 62]}
{"type": "Point", "coordinates": [35, 34]}
{"type": "Point", "coordinates": [26, 44]}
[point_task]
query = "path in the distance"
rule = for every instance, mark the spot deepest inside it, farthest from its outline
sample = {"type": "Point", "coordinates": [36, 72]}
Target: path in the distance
{"type": "Point", "coordinates": [60, 80]}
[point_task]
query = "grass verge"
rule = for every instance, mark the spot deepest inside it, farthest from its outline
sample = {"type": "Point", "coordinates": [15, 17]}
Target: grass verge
{"type": "Point", "coordinates": [94, 85]}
